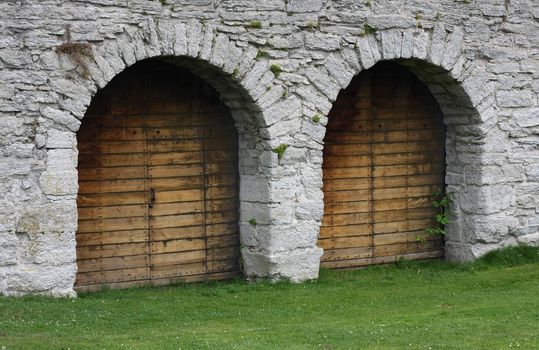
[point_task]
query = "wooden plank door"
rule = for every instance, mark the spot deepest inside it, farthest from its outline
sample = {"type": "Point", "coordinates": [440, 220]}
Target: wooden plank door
{"type": "Point", "coordinates": [383, 158]}
{"type": "Point", "coordinates": [158, 196]}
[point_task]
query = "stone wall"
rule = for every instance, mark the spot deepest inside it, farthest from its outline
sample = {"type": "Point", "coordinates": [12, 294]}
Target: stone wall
{"type": "Point", "coordinates": [480, 59]}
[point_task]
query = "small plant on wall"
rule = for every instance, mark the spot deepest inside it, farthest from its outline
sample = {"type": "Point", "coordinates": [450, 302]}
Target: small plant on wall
{"type": "Point", "coordinates": [78, 52]}
{"type": "Point", "coordinates": [440, 201]}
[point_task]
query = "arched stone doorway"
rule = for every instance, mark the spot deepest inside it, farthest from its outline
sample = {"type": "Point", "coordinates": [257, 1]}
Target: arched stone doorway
{"type": "Point", "coordinates": [383, 158]}
{"type": "Point", "coordinates": [158, 182]}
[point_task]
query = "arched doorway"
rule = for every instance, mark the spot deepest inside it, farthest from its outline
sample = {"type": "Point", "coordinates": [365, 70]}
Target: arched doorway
{"type": "Point", "coordinates": [158, 182]}
{"type": "Point", "coordinates": [383, 158]}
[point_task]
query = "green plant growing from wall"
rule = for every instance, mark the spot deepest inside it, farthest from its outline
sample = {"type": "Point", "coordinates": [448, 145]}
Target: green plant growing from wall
{"type": "Point", "coordinates": [254, 25]}
{"type": "Point", "coordinates": [367, 29]}
{"type": "Point", "coordinates": [78, 52]}
{"type": "Point", "coordinates": [280, 150]}
{"type": "Point", "coordinates": [441, 201]}
{"type": "Point", "coordinates": [261, 54]}
{"type": "Point", "coordinates": [316, 118]}
{"type": "Point", "coordinates": [252, 222]}
{"type": "Point", "coordinates": [313, 25]}
{"type": "Point", "coordinates": [276, 69]}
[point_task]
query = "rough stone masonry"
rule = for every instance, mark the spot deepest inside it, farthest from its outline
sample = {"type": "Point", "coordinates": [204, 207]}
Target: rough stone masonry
{"type": "Point", "coordinates": [480, 59]}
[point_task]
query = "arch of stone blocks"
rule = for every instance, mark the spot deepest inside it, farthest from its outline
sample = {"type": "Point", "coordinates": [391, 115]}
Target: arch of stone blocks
{"type": "Point", "coordinates": [465, 95]}
{"type": "Point", "coordinates": [283, 194]}
{"type": "Point", "coordinates": [248, 88]}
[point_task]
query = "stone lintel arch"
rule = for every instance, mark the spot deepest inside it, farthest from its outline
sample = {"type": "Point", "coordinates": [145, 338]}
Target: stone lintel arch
{"type": "Point", "coordinates": [464, 92]}
{"type": "Point", "coordinates": [256, 101]}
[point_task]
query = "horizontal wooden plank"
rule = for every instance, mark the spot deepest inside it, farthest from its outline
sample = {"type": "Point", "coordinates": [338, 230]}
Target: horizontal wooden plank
{"type": "Point", "coordinates": [187, 195]}
{"type": "Point", "coordinates": [170, 233]}
{"type": "Point", "coordinates": [116, 211]}
{"type": "Point", "coordinates": [114, 224]}
{"type": "Point", "coordinates": [347, 207]}
{"type": "Point", "coordinates": [404, 237]}
{"type": "Point", "coordinates": [102, 199]}
{"type": "Point", "coordinates": [113, 263]}
{"type": "Point", "coordinates": [387, 136]}
{"type": "Point", "coordinates": [353, 149]}
{"type": "Point", "coordinates": [111, 134]}
{"type": "Point", "coordinates": [197, 278]}
{"type": "Point", "coordinates": [401, 226]}
{"type": "Point", "coordinates": [347, 253]}
{"type": "Point", "coordinates": [404, 214]}
{"type": "Point", "coordinates": [113, 173]}
{"type": "Point", "coordinates": [345, 242]}
{"type": "Point", "coordinates": [111, 160]}
{"type": "Point", "coordinates": [111, 250]}
{"type": "Point", "coordinates": [111, 276]}
{"type": "Point", "coordinates": [346, 219]}
{"type": "Point", "coordinates": [196, 219]}
{"type": "Point", "coordinates": [174, 183]}
{"type": "Point", "coordinates": [113, 186]}
{"type": "Point", "coordinates": [195, 256]}
{"type": "Point", "coordinates": [112, 237]}
{"type": "Point", "coordinates": [362, 262]}
{"type": "Point", "coordinates": [177, 245]}
{"type": "Point", "coordinates": [112, 147]}
{"type": "Point", "coordinates": [407, 248]}
{"type": "Point", "coordinates": [176, 208]}
{"type": "Point", "coordinates": [176, 170]}
{"type": "Point", "coordinates": [348, 230]}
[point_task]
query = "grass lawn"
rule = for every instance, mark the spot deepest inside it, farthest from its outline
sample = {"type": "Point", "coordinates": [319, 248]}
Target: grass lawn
{"type": "Point", "coordinates": [491, 304]}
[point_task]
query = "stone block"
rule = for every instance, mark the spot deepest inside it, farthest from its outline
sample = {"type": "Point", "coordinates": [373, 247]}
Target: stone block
{"type": "Point", "coordinates": [59, 183]}
{"type": "Point", "coordinates": [516, 98]}
{"type": "Point", "coordinates": [320, 78]}
{"type": "Point", "coordinates": [60, 139]}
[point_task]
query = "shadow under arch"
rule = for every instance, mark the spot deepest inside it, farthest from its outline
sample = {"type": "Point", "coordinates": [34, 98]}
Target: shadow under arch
{"type": "Point", "coordinates": [244, 115]}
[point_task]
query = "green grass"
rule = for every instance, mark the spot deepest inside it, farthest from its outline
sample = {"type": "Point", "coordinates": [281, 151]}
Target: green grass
{"type": "Point", "coordinates": [491, 304]}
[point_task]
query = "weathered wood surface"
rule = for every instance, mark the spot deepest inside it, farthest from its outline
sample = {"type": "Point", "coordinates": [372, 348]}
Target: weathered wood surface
{"type": "Point", "coordinates": [158, 183]}
{"type": "Point", "coordinates": [383, 158]}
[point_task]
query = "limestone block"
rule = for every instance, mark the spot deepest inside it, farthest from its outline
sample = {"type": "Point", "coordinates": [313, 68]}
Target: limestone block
{"type": "Point", "coordinates": [60, 139]}
{"type": "Point", "coordinates": [339, 70]}
{"type": "Point", "coordinates": [61, 159]}
{"type": "Point", "coordinates": [516, 98]}
{"type": "Point", "coordinates": [43, 279]}
{"type": "Point", "coordinates": [235, 54]}
{"type": "Point", "coordinates": [45, 218]}
{"type": "Point", "coordinates": [180, 39]}
{"type": "Point", "coordinates": [166, 32]}
{"type": "Point", "coordinates": [54, 248]}
{"type": "Point", "coordinates": [391, 44]}
{"type": "Point", "coordinates": [321, 79]}
{"type": "Point", "coordinates": [207, 43]}
{"type": "Point", "coordinates": [253, 76]}
{"type": "Point", "coordinates": [421, 45]}
{"type": "Point", "coordinates": [254, 189]}
{"type": "Point", "coordinates": [407, 44]}
{"type": "Point", "coordinates": [323, 42]}
{"type": "Point", "coordinates": [220, 50]}
{"type": "Point", "coordinates": [438, 43]}
{"type": "Point", "coordinates": [59, 183]}
{"type": "Point", "coordinates": [318, 101]}
{"type": "Point", "coordinates": [452, 48]}
{"type": "Point", "coordinates": [304, 5]}
{"type": "Point", "coordinates": [486, 199]}
{"type": "Point", "coordinates": [61, 117]}
{"type": "Point", "coordinates": [297, 266]}
{"type": "Point", "coordinates": [282, 109]}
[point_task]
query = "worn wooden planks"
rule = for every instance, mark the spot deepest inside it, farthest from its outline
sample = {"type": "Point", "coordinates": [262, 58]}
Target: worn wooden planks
{"type": "Point", "coordinates": [383, 158]}
{"type": "Point", "coordinates": [158, 182]}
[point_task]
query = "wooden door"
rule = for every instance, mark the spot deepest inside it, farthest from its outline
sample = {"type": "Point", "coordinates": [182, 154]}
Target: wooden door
{"type": "Point", "coordinates": [383, 158]}
{"type": "Point", "coordinates": [158, 182]}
